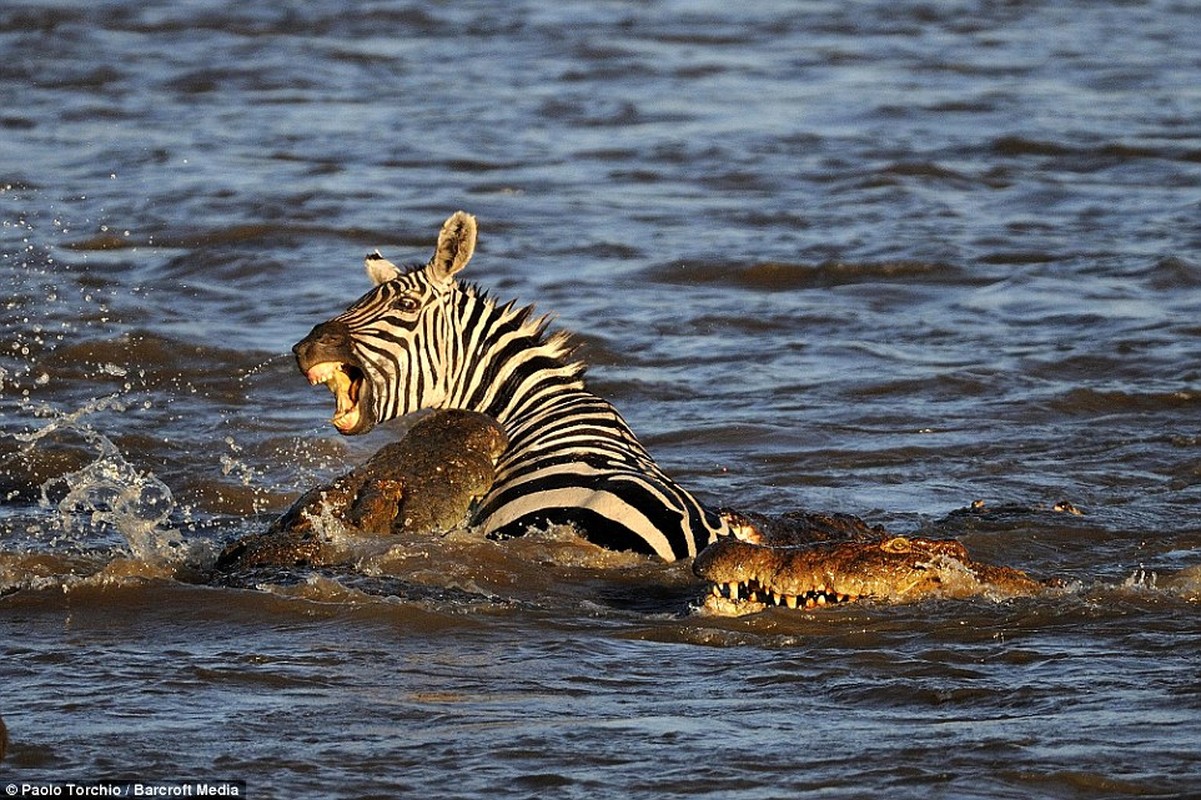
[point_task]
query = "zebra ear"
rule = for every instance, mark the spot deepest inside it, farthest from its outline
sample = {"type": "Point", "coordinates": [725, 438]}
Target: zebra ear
{"type": "Point", "coordinates": [456, 243]}
{"type": "Point", "coordinates": [380, 269]}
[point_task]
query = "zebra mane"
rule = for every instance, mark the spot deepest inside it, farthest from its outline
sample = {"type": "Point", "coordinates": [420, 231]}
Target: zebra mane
{"type": "Point", "coordinates": [560, 341]}
{"type": "Point", "coordinates": [502, 385]}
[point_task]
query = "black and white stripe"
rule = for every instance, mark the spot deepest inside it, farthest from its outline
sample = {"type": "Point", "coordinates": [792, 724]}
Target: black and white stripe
{"type": "Point", "coordinates": [425, 340]}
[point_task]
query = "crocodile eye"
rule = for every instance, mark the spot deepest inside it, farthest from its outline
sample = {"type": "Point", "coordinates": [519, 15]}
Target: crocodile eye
{"type": "Point", "coordinates": [406, 303]}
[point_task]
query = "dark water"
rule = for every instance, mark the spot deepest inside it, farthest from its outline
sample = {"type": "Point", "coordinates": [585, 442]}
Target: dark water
{"type": "Point", "coordinates": [874, 257]}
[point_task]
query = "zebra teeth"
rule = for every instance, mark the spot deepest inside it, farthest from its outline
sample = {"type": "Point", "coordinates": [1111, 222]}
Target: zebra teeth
{"type": "Point", "coordinates": [323, 372]}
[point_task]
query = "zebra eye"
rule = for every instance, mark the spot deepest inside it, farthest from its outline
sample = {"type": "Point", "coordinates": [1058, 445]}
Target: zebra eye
{"type": "Point", "coordinates": [406, 303]}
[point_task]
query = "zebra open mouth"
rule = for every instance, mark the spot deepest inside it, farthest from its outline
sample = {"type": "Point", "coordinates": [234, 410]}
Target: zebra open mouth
{"type": "Point", "coordinates": [346, 383]}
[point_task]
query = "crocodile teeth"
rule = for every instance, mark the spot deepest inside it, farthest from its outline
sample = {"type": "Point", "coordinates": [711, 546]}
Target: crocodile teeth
{"type": "Point", "coordinates": [753, 591]}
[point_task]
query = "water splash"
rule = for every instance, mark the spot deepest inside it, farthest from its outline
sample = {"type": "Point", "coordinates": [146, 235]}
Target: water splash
{"type": "Point", "coordinates": [1141, 580]}
{"type": "Point", "coordinates": [109, 494]}
{"type": "Point", "coordinates": [250, 372]}
{"type": "Point", "coordinates": [233, 465]}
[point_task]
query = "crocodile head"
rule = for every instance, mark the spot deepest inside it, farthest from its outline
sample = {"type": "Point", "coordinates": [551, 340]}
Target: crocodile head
{"type": "Point", "coordinates": [747, 577]}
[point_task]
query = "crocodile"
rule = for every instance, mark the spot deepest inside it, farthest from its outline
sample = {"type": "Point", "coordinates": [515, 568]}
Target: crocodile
{"type": "Point", "coordinates": [427, 483]}
{"type": "Point", "coordinates": [813, 560]}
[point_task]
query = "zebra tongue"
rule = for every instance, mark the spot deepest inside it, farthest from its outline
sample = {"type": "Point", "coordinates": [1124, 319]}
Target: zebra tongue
{"type": "Point", "coordinates": [346, 421]}
{"type": "Point", "coordinates": [345, 414]}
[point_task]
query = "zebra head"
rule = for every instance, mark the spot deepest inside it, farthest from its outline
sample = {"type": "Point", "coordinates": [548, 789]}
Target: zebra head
{"type": "Point", "coordinates": [385, 356]}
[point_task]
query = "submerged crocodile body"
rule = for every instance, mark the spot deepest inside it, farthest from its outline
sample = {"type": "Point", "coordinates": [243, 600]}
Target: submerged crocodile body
{"type": "Point", "coordinates": [425, 483]}
{"type": "Point", "coordinates": [803, 560]}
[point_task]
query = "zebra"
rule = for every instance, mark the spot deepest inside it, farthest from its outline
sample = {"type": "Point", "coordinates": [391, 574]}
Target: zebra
{"type": "Point", "coordinates": [421, 339]}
